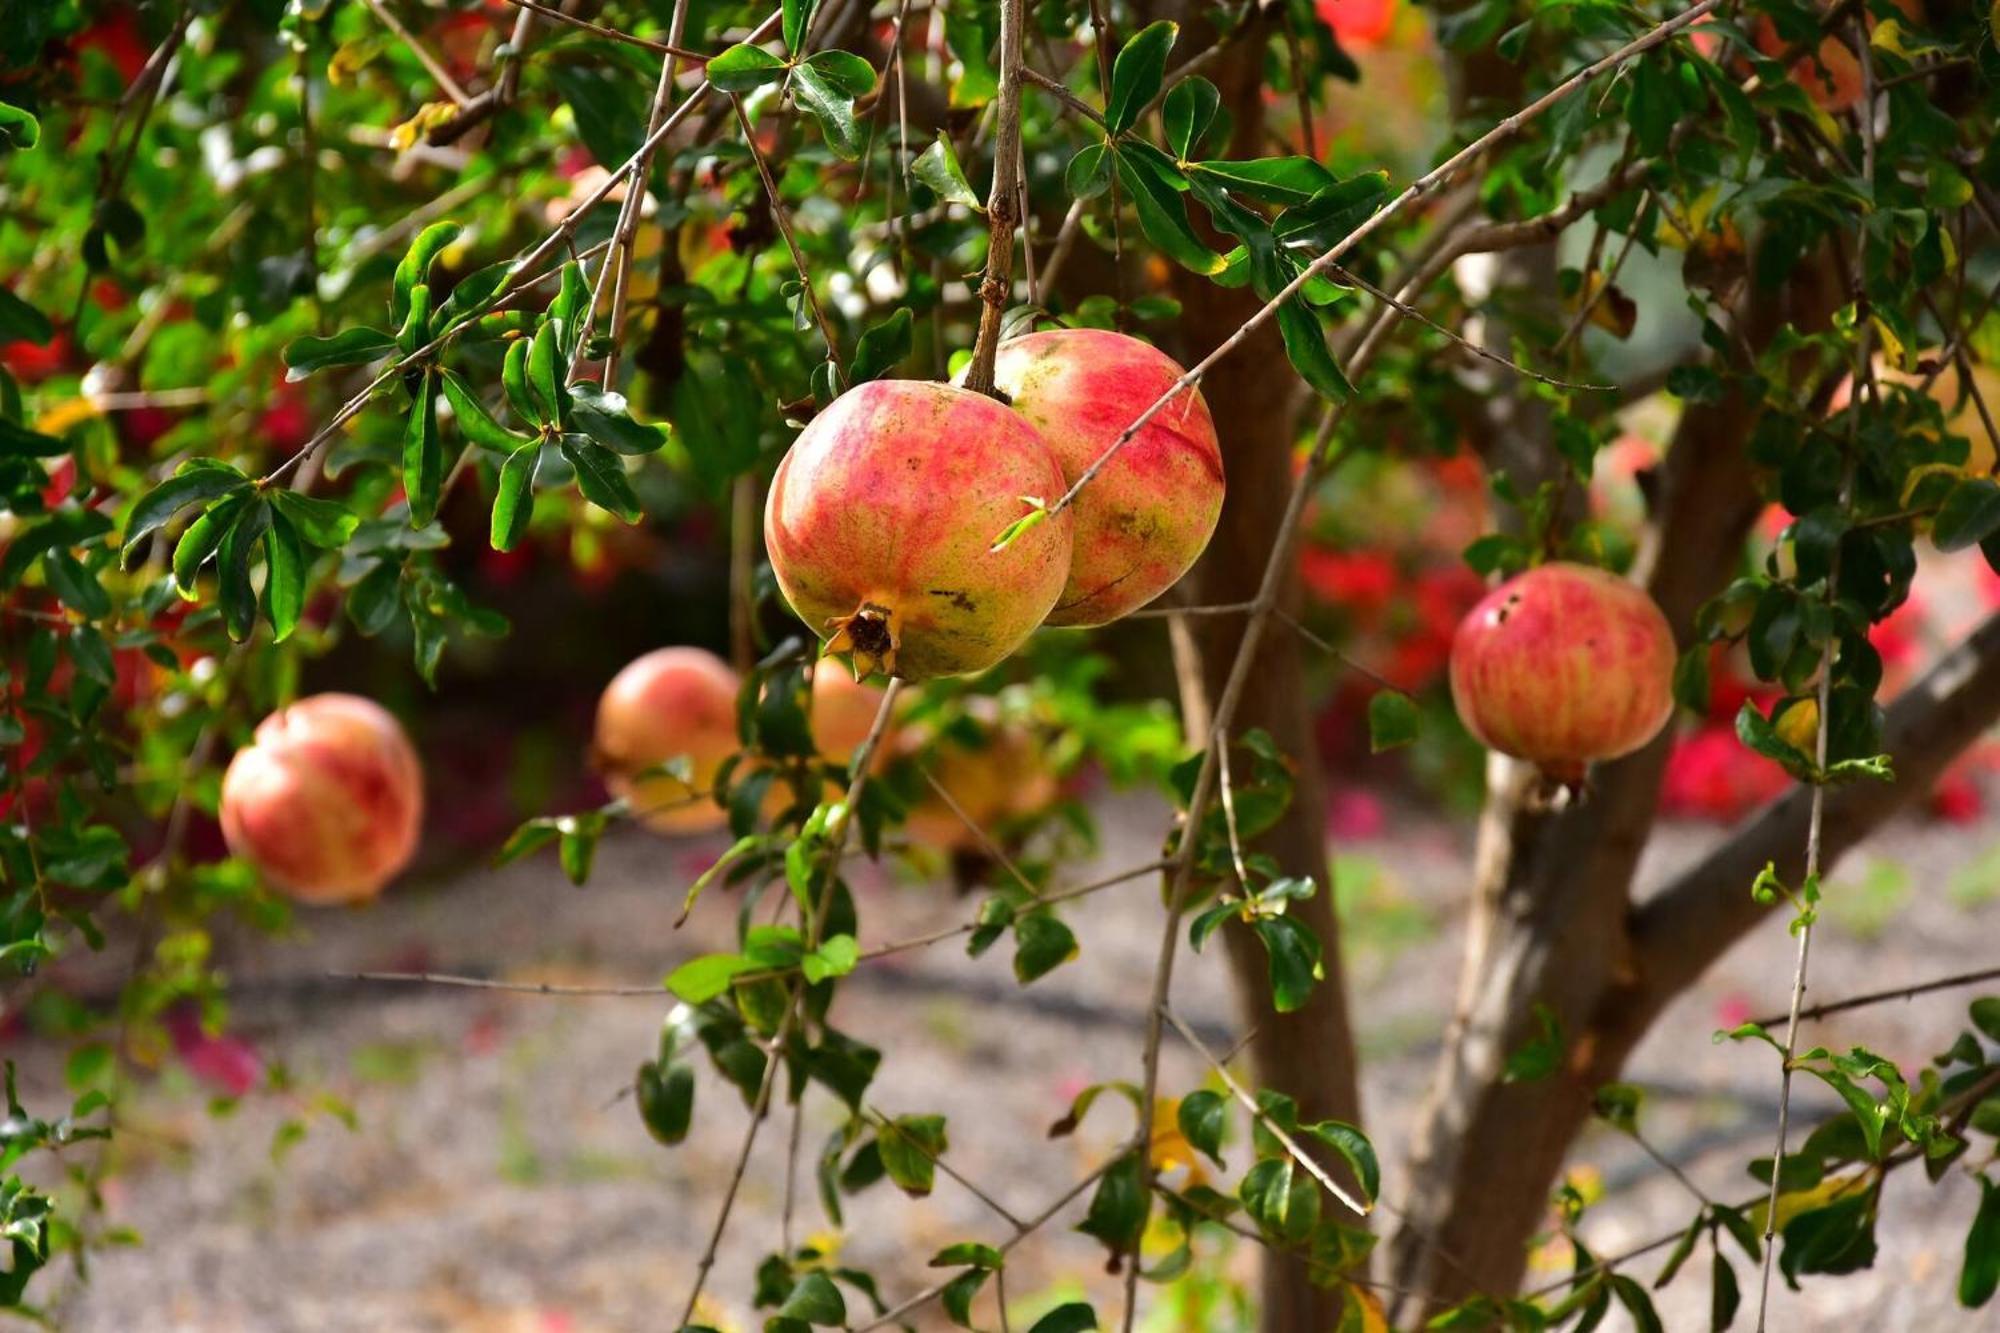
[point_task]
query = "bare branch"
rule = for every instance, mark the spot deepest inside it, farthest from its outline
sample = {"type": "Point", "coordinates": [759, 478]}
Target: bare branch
{"type": "Point", "coordinates": [1910, 992]}
{"type": "Point", "coordinates": [488, 983]}
{"type": "Point", "coordinates": [1002, 203]}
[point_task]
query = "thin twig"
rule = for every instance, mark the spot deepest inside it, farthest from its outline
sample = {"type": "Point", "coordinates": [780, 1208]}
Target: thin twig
{"type": "Point", "coordinates": [432, 66]}
{"type": "Point", "coordinates": [986, 842]}
{"type": "Point", "coordinates": [784, 221]}
{"type": "Point", "coordinates": [488, 983]}
{"type": "Point", "coordinates": [670, 47]}
{"type": "Point", "coordinates": [996, 287]}
{"type": "Point", "coordinates": [1899, 993]}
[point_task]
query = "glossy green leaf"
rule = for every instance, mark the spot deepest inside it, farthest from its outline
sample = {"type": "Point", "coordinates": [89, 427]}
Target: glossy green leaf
{"type": "Point", "coordinates": [665, 1094]}
{"type": "Point", "coordinates": [1274, 180]}
{"type": "Point", "coordinates": [1073, 1317]}
{"type": "Point", "coordinates": [284, 576]}
{"type": "Point", "coordinates": [423, 454]}
{"type": "Point", "coordinates": [1187, 113]}
{"type": "Point", "coordinates": [350, 347]}
{"type": "Point", "coordinates": [415, 267]}
{"type": "Point", "coordinates": [601, 477]}
{"type": "Point", "coordinates": [1305, 347]}
{"type": "Point", "coordinates": [202, 538]}
{"type": "Point", "coordinates": [1204, 1117]}
{"type": "Point", "coordinates": [822, 90]}
{"type": "Point", "coordinates": [1980, 1275]}
{"type": "Point", "coordinates": [1137, 74]}
{"type": "Point", "coordinates": [910, 1146]}
{"type": "Point", "coordinates": [743, 67]}
{"type": "Point", "coordinates": [607, 418]}
{"type": "Point", "coordinates": [514, 501]}
{"type": "Point", "coordinates": [937, 167]}
{"type": "Point", "coordinates": [815, 1300]}
{"type": "Point", "coordinates": [882, 348]}
{"type": "Point", "coordinates": [1393, 720]}
{"type": "Point", "coordinates": [189, 486]}
{"type": "Point", "coordinates": [1089, 172]}
{"type": "Point", "coordinates": [238, 594]}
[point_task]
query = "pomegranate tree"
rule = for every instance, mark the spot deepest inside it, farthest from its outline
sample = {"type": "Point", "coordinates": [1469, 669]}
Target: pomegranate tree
{"type": "Point", "coordinates": [881, 520]}
{"type": "Point", "coordinates": [672, 703]}
{"type": "Point", "coordinates": [327, 801]}
{"type": "Point", "coordinates": [1144, 519]}
{"type": "Point", "coordinates": [1562, 666]}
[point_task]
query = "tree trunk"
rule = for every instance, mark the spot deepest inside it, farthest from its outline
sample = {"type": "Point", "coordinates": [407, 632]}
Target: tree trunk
{"type": "Point", "coordinates": [1551, 907]}
{"type": "Point", "coordinates": [1308, 1054]}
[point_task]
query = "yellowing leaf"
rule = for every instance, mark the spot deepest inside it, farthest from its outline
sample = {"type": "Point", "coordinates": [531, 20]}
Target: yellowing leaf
{"type": "Point", "coordinates": [429, 115]}
{"type": "Point", "coordinates": [66, 415]}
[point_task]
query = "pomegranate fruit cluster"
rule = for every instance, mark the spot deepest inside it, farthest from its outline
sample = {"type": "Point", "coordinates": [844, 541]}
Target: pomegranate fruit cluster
{"type": "Point", "coordinates": [1563, 666]}
{"type": "Point", "coordinates": [881, 520]}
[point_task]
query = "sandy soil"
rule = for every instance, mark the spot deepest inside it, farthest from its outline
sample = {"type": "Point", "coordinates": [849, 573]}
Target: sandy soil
{"type": "Point", "coordinates": [496, 1179]}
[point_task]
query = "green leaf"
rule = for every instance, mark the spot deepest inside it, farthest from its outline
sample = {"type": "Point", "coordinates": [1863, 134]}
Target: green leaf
{"type": "Point", "coordinates": [1203, 1117]}
{"type": "Point", "coordinates": [1650, 104]}
{"type": "Point", "coordinates": [1294, 959]}
{"type": "Point", "coordinates": [797, 16]}
{"type": "Point", "coordinates": [666, 1100]}
{"type": "Point", "coordinates": [700, 980]}
{"type": "Point", "coordinates": [844, 71]}
{"type": "Point", "coordinates": [1541, 1055]}
{"type": "Point", "coordinates": [1355, 1148]}
{"type": "Point", "coordinates": [1117, 1213]}
{"type": "Point", "coordinates": [1724, 1296]}
{"type": "Point", "coordinates": [75, 585]}
{"type": "Point", "coordinates": [1637, 1303]}
{"type": "Point", "coordinates": [191, 485]}
{"type": "Point", "coordinates": [816, 1300]}
{"type": "Point", "coordinates": [881, 348]}
{"type": "Point", "coordinates": [1137, 74]}
{"type": "Point", "coordinates": [284, 576]}
{"type": "Point", "coordinates": [350, 347]}
{"type": "Point", "coordinates": [607, 418]}
{"type": "Point", "coordinates": [910, 1146]}
{"type": "Point", "coordinates": [1281, 1199]}
{"type": "Point", "coordinates": [1043, 943]}
{"type": "Point", "coordinates": [514, 379]}
{"type": "Point", "coordinates": [822, 90]}
{"type": "Point", "coordinates": [1305, 347]}
{"type": "Point", "coordinates": [514, 501]}
{"type": "Point", "coordinates": [743, 67]}
{"type": "Point", "coordinates": [1038, 514]}
{"type": "Point", "coordinates": [423, 454]}
{"type": "Point", "coordinates": [415, 267]}
{"type": "Point", "coordinates": [1969, 515]}
{"type": "Point", "coordinates": [1089, 172]}
{"type": "Point", "coordinates": [19, 320]}
{"type": "Point", "coordinates": [17, 441]}
{"type": "Point", "coordinates": [326, 524]}
{"type": "Point", "coordinates": [1162, 212]}
{"type": "Point", "coordinates": [835, 958]}
{"type": "Point", "coordinates": [1074, 1317]}
{"type": "Point", "coordinates": [1187, 113]}
{"type": "Point", "coordinates": [1985, 1013]}
{"type": "Point", "coordinates": [601, 477]}
{"type": "Point", "coordinates": [239, 598]}
{"type": "Point", "coordinates": [1393, 721]}
{"type": "Point", "coordinates": [202, 537]}
{"type": "Point", "coordinates": [18, 129]}
{"type": "Point", "coordinates": [937, 167]}
{"type": "Point", "coordinates": [1980, 1276]}
{"type": "Point", "coordinates": [543, 373]}
{"type": "Point", "coordinates": [475, 422]}
{"type": "Point", "coordinates": [1274, 180]}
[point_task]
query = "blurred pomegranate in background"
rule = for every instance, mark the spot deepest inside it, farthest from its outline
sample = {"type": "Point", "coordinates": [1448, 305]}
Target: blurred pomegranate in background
{"type": "Point", "coordinates": [672, 703]}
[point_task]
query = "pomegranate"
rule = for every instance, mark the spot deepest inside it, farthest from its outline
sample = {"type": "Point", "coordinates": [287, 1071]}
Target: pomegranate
{"type": "Point", "coordinates": [1564, 665]}
{"type": "Point", "coordinates": [881, 520]}
{"type": "Point", "coordinates": [843, 713]}
{"type": "Point", "coordinates": [1145, 518]}
{"type": "Point", "coordinates": [1007, 778]}
{"type": "Point", "coordinates": [327, 801]}
{"type": "Point", "coordinates": [669, 704]}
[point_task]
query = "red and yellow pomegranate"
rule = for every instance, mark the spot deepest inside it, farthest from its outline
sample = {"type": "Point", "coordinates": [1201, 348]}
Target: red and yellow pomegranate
{"type": "Point", "coordinates": [1144, 519]}
{"type": "Point", "coordinates": [1006, 778]}
{"type": "Point", "coordinates": [670, 703]}
{"type": "Point", "coordinates": [881, 521]}
{"type": "Point", "coordinates": [1562, 666]}
{"type": "Point", "coordinates": [327, 801]}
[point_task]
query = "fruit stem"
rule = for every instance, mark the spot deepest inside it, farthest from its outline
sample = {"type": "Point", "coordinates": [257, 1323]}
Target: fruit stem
{"type": "Point", "coordinates": [1003, 204]}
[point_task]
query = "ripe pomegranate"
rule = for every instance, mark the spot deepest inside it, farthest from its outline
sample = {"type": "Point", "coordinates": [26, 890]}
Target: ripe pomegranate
{"type": "Point", "coordinates": [1564, 665]}
{"type": "Point", "coordinates": [881, 520]}
{"type": "Point", "coordinates": [328, 800]}
{"type": "Point", "coordinates": [843, 713]}
{"type": "Point", "coordinates": [670, 703]}
{"type": "Point", "coordinates": [1007, 778]}
{"type": "Point", "coordinates": [1145, 518]}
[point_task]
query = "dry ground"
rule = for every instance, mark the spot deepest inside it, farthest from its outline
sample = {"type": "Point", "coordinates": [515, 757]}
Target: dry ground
{"type": "Point", "coordinates": [496, 1180]}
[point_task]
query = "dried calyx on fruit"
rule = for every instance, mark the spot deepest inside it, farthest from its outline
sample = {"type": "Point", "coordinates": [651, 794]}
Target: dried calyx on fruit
{"type": "Point", "coordinates": [1563, 666]}
{"type": "Point", "coordinates": [880, 527]}
{"type": "Point", "coordinates": [1144, 519]}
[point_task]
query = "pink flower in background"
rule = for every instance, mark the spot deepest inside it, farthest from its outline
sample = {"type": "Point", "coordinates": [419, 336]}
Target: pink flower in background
{"type": "Point", "coordinates": [1732, 1010]}
{"type": "Point", "coordinates": [226, 1064]}
{"type": "Point", "coordinates": [1353, 813]}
